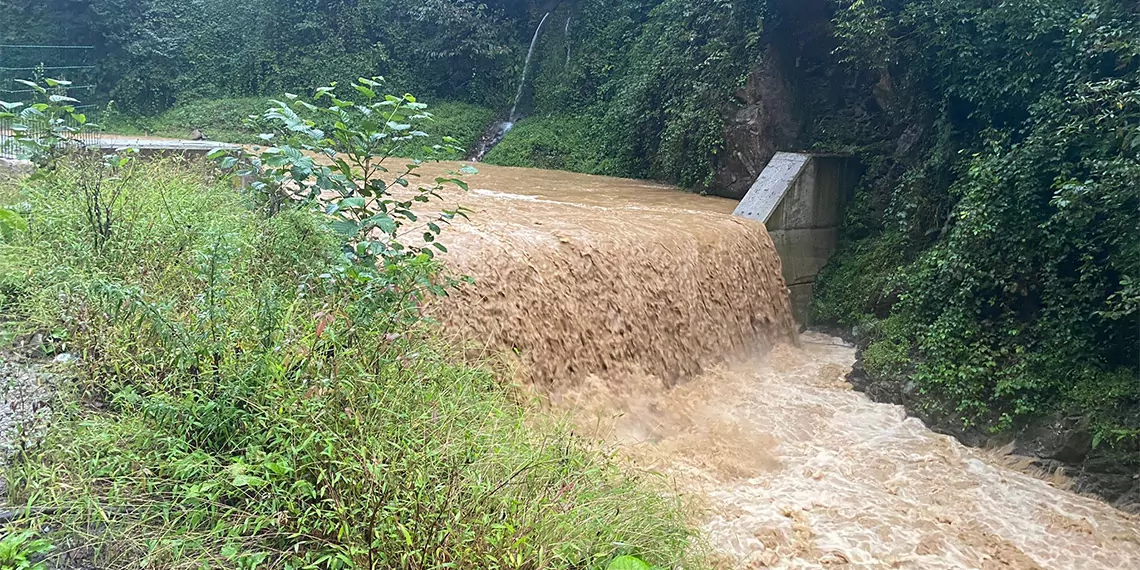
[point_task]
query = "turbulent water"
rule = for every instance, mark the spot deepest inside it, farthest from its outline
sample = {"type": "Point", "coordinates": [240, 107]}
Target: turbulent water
{"type": "Point", "coordinates": [613, 278]}
{"type": "Point", "coordinates": [663, 323]}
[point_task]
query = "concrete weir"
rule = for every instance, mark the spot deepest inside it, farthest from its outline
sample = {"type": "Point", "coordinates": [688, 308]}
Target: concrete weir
{"type": "Point", "coordinates": [159, 146]}
{"type": "Point", "coordinates": [800, 198]}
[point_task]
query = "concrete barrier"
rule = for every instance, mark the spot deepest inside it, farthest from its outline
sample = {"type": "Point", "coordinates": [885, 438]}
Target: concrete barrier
{"type": "Point", "coordinates": [800, 199]}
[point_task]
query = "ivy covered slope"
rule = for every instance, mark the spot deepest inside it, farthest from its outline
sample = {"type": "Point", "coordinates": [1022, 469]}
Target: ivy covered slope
{"type": "Point", "coordinates": [991, 261]}
{"type": "Point", "coordinates": [642, 85]}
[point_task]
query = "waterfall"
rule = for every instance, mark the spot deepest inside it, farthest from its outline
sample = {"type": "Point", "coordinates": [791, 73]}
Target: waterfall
{"type": "Point", "coordinates": [566, 38]}
{"type": "Point", "coordinates": [526, 66]}
{"type": "Point", "coordinates": [497, 131]}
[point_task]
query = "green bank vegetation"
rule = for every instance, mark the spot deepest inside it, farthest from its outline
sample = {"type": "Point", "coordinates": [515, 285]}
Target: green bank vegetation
{"type": "Point", "coordinates": [991, 256]}
{"type": "Point", "coordinates": [253, 384]}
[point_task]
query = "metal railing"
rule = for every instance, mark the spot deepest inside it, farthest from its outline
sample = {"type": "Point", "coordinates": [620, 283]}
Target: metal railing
{"type": "Point", "coordinates": [32, 62]}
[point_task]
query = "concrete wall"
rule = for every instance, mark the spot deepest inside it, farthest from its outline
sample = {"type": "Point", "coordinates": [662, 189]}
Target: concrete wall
{"type": "Point", "coordinates": [800, 199]}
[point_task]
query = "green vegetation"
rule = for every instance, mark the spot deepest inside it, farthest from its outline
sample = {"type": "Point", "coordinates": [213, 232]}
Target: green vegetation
{"type": "Point", "coordinates": [648, 80]}
{"type": "Point", "coordinates": [222, 120]}
{"type": "Point", "coordinates": [18, 551]}
{"type": "Point", "coordinates": [994, 264]}
{"type": "Point", "coordinates": [255, 385]}
{"type": "Point", "coordinates": [557, 143]}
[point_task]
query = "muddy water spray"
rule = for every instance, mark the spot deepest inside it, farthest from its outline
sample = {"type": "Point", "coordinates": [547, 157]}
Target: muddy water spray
{"type": "Point", "coordinates": [663, 321]}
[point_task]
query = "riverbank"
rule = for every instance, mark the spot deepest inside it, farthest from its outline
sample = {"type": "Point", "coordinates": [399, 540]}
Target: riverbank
{"type": "Point", "coordinates": [237, 402]}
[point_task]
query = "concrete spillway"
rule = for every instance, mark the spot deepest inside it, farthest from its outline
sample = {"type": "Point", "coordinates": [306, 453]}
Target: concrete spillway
{"type": "Point", "coordinates": [800, 199]}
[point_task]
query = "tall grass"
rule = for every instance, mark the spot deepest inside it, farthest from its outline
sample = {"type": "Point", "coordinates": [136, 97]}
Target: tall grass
{"type": "Point", "coordinates": [233, 407]}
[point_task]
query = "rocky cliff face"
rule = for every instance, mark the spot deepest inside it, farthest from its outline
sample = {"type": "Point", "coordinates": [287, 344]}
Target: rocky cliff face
{"type": "Point", "coordinates": [763, 121]}
{"type": "Point", "coordinates": [789, 88]}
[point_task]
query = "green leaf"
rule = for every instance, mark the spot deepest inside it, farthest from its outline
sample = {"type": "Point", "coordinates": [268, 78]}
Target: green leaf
{"type": "Point", "coordinates": [10, 223]}
{"type": "Point", "coordinates": [31, 84]}
{"type": "Point", "coordinates": [345, 227]}
{"type": "Point", "coordinates": [385, 223]}
{"type": "Point", "coordinates": [57, 82]}
{"type": "Point", "coordinates": [365, 91]}
{"type": "Point", "coordinates": [243, 480]}
{"type": "Point", "coordinates": [62, 99]}
{"type": "Point", "coordinates": [456, 181]}
{"type": "Point", "coordinates": [353, 202]}
{"type": "Point", "coordinates": [628, 563]}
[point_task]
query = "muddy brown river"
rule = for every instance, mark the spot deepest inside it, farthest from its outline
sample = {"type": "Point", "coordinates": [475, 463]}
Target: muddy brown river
{"type": "Point", "coordinates": [662, 324]}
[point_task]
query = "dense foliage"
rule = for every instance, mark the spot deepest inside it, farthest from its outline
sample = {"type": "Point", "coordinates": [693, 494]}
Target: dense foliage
{"type": "Point", "coordinates": [154, 53]}
{"type": "Point", "coordinates": [650, 78]}
{"type": "Point", "coordinates": [653, 79]}
{"type": "Point", "coordinates": [992, 256]}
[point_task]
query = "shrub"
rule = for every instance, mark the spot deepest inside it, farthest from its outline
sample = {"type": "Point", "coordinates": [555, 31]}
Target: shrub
{"type": "Point", "coordinates": [552, 142]}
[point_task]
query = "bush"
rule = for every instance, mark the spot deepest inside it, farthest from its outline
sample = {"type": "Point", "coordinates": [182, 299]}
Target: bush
{"type": "Point", "coordinates": [234, 409]}
{"type": "Point", "coordinates": [554, 143]}
{"type": "Point", "coordinates": [998, 237]}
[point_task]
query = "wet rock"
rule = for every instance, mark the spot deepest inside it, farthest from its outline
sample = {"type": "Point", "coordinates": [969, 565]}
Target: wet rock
{"type": "Point", "coordinates": [764, 122]}
{"type": "Point", "coordinates": [1068, 440]}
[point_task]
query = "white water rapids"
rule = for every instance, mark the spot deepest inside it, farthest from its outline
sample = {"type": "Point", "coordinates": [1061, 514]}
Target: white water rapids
{"type": "Point", "coordinates": [796, 470]}
{"type": "Point", "coordinates": [623, 296]}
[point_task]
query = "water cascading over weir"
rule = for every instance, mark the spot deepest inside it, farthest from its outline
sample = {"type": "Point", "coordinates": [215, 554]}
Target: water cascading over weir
{"type": "Point", "coordinates": [594, 276]}
{"type": "Point", "coordinates": [588, 277]}
{"type": "Point", "coordinates": [662, 324]}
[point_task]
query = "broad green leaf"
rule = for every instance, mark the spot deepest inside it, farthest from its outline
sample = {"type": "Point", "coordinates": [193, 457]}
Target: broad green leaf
{"type": "Point", "coordinates": [628, 563]}
{"type": "Point", "coordinates": [352, 202]}
{"type": "Point", "coordinates": [365, 91]}
{"type": "Point", "coordinates": [10, 223]}
{"type": "Point", "coordinates": [345, 227]}
{"type": "Point", "coordinates": [31, 84]}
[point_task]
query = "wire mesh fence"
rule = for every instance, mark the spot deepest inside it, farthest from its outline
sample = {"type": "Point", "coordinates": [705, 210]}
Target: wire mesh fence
{"type": "Point", "coordinates": [74, 64]}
